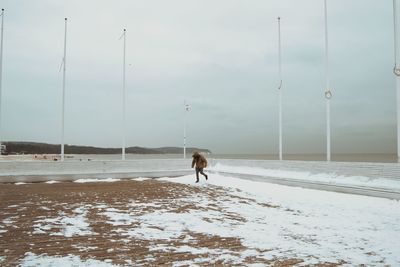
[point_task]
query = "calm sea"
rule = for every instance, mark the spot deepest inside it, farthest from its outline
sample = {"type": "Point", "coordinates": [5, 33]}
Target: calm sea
{"type": "Point", "coordinates": [306, 157]}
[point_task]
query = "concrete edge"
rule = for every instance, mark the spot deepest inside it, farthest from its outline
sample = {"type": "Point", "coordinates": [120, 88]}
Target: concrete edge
{"type": "Point", "coordinates": [36, 178]}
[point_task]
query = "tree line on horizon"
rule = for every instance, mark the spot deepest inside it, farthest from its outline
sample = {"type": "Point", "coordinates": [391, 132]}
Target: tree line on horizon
{"type": "Point", "coordinates": [44, 148]}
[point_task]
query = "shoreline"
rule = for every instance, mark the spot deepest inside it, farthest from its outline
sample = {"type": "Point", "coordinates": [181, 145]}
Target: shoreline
{"type": "Point", "coordinates": [353, 157]}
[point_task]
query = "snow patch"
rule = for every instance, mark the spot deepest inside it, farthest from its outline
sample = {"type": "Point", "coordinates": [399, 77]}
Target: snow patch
{"type": "Point", "coordinates": [331, 178]}
{"type": "Point", "coordinates": [140, 179]}
{"type": "Point", "coordinates": [84, 248]}
{"type": "Point", "coordinates": [52, 182]}
{"type": "Point", "coordinates": [67, 226]}
{"type": "Point", "coordinates": [32, 259]}
{"type": "Point", "coordinates": [10, 220]}
{"type": "Point", "coordinates": [107, 180]}
{"type": "Point", "coordinates": [117, 217]}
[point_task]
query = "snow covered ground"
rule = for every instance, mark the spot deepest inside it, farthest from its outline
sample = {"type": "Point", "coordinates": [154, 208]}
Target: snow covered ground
{"type": "Point", "coordinates": [329, 226]}
{"type": "Point", "coordinates": [271, 223]}
{"type": "Point", "coordinates": [330, 178]}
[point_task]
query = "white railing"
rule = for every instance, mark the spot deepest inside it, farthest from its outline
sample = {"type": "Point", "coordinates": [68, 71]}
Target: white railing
{"type": "Point", "coordinates": [36, 171]}
{"type": "Point", "coordinates": [12, 171]}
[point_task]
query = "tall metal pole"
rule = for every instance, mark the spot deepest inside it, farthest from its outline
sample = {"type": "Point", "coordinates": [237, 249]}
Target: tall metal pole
{"type": "Point", "coordinates": [63, 91]}
{"type": "Point", "coordinates": [398, 116]}
{"type": "Point", "coordinates": [280, 89]}
{"type": "Point", "coordinates": [328, 93]}
{"type": "Point", "coordinates": [184, 136]}
{"type": "Point", "coordinates": [396, 69]}
{"type": "Point", "coordinates": [123, 100]}
{"type": "Point", "coordinates": [187, 109]}
{"type": "Point", "coordinates": [1, 67]}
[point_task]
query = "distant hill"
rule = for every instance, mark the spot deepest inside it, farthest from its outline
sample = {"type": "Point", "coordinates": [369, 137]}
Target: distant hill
{"type": "Point", "coordinates": [43, 148]}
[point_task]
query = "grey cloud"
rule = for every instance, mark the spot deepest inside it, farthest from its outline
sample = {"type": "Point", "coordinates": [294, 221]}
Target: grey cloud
{"type": "Point", "coordinates": [220, 56]}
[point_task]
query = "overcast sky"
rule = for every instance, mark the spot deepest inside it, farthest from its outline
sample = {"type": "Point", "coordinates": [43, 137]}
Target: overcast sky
{"type": "Point", "coordinates": [219, 55]}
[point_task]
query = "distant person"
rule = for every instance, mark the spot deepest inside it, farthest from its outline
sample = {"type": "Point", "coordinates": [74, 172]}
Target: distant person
{"type": "Point", "coordinates": [200, 162]}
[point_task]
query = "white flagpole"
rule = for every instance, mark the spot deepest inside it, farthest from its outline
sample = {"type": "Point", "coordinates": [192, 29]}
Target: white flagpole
{"type": "Point", "coordinates": [280, 89]}
{"type": "Point", "coordinates": [1, 67]}
{"type": "Point", "coordinates": [184, 134]}
{"type": "Point", "coordinates": [187, 108]}
{"type": "Point", "coordinates": [398, 117]}
{"type": "Point", "coordinates": [396, 71]}
{"type": "Point", "coordinates": [63, 91]}
{"type": "Point", "coordinates": [123, 100]}
{"type": "Point", "coordinates": [328, 93]}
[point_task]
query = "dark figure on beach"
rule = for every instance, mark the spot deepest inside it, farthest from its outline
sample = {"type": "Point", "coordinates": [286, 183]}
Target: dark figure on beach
{"type": "Point", "coordinates": [201, 163]}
